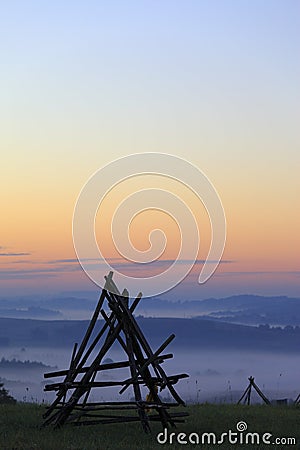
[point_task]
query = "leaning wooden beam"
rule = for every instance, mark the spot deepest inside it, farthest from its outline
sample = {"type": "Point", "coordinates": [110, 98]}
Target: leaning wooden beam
{"type": "Point", "coordinates": [261, 394]}
{"type": "Point", "coordinates": [111, 285]}
{"type": "Point", "coordinates": [61, 394]}
{"type": "Point", "coordinates": [149, 353]}
{"type": "Point", "coordinates": [61, 418]}
{"type": "Point", "coordinates": [80, 351]}
{"type": "Point", "coordinates": [249, 395]}
{"type": "Point", "coordinates": [125, 313]}
{"type": "Point", "coordinates": [72, 362]}
{"type": "Point", "coordinates": [149, 361]}
{"type": "Point", "coordinates": [164, 416]}
{"type": "Point", "coordinates": [112, 328]}
{"type": "Point", "coordinates": [90, 327]}
{"type": "Point", "coordinates": [110, 322]}
{"type": "Point", "coordinates": [118, 304]}
{"type": "Point", "coordinates": [102, 331]}
{"type": "Point", "coordinates": [150, 381]}
{"type": "Point", "coordinates": [134, 371]}
{"type": "Point", "coordinates": [152, 384]}
{"type": "Point", "coordinates": [245, 393]}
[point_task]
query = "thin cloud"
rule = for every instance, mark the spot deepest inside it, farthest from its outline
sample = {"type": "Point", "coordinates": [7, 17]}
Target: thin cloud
{"type": "Point", "coordinates": [282, 272]}
{"type": "Point", "coordinates": [15, 254]}
{"type": "Point", "coordinates": [9, 274]}
{"type": "Point", "coordinates": [71, 265]}
{"type": "Point", "coordinates": [75, 260]}
{"type": "Point", "coordinates": [122, 261]}
{"type": "Point", "coordinates": [8, 253]}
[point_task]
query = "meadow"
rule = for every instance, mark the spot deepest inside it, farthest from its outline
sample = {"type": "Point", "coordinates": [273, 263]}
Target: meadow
{"type": "Point", "coordinates": [20, 430]}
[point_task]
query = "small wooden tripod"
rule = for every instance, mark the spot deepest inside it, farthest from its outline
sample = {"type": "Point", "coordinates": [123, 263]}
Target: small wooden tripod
{"type": "Point", "coordinates": [246, 397]}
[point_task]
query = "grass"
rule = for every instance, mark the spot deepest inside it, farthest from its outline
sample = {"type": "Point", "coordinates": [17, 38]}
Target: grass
{"type": "Point", "coordinates": [20, 429]}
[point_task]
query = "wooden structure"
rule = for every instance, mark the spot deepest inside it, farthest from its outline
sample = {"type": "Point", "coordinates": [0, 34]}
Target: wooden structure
{"type": "Point", "coordinates": [72, 403]}
{"type": "Point", "coordinates": [246, 397]}
{"type": "Point", "coordinates": [297, 401]}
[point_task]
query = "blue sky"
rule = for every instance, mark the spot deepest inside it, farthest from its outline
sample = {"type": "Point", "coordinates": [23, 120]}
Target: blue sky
{"type": "Point", "coordinates": [215, 82]}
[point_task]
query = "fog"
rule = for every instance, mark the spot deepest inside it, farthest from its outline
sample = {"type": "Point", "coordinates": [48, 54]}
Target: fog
{"type": "Point", "coordinates": [214, 376]}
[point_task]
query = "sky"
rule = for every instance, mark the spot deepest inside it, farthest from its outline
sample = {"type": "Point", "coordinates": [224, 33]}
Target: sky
{"type": "Point", "coordinates": [214, 82]}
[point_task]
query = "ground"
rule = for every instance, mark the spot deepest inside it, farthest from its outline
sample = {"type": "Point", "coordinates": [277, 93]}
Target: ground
{"type": "Point", "coordinates": [20, 430]}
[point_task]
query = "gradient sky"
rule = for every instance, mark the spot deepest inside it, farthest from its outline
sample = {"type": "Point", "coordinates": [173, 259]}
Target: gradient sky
{"type": "Point", "coordinates": [215, 82]}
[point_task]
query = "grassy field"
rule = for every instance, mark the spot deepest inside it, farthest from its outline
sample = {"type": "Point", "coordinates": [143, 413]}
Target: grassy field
{"type": "Point", "coordinates": [20, 429]}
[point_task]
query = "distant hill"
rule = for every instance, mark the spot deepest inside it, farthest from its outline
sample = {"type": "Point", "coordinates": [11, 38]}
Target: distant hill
{"type": "Point", "coordinates": [243, 309]}
{"type": "Point", "coordinates": [190, 333]}
{"type": "Point", "coordinates": [254, 309]}
{"type": "Point", "coordinates": [30, 312]}
{"type": "Point", "coordinates": [60, 302]}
